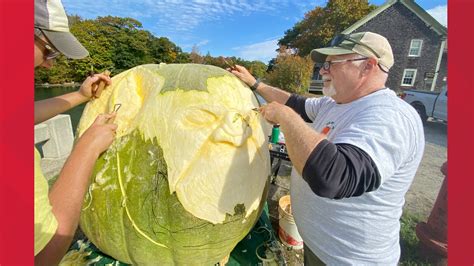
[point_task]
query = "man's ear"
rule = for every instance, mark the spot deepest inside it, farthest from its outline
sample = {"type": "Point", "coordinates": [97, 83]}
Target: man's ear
{"type": "Point", "coordinates": [370, 64]}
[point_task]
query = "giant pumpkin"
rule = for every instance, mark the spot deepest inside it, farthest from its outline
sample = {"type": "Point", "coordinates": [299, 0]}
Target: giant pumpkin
{"type": "Point", "coordinates": [186, 177]}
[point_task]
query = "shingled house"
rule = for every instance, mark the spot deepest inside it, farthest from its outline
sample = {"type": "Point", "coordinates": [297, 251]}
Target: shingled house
{"type": "Point", "coordinates": [418, 42]}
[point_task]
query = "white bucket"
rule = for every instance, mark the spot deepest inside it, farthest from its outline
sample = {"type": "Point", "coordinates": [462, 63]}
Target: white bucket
{"type": "Point", "coordinates": [287, 230]}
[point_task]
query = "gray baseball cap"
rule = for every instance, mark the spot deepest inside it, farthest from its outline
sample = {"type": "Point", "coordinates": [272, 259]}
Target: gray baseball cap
{"type": "Point", "coordinates": [51, 19]}
{"type": "Point", "coordinates": [364, 43]}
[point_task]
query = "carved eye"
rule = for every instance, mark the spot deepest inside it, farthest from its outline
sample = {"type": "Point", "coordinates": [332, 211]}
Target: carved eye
{"type": "Point", "coordinates": [200, 117]}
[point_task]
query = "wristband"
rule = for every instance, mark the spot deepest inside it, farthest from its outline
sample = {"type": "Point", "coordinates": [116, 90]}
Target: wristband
{"type": "Point", "coordinates": [255, 85]}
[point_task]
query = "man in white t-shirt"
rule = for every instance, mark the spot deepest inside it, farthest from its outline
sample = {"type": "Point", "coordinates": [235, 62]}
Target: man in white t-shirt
{"type": "Point", "coordinates": [355, 160]}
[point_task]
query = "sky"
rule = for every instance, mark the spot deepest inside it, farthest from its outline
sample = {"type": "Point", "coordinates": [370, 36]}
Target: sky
{"type": "Point", "coordinates": [248, 29]}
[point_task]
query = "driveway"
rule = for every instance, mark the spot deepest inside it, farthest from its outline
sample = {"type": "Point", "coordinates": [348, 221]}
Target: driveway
{"type": "Point", "coordinates": [424, 190]}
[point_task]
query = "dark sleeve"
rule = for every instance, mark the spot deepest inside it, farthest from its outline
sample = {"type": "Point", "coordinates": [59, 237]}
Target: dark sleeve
{"type": "Point", "coordinates": [338, 171]}
{"type": "Point", "coordinates": [297, 103]}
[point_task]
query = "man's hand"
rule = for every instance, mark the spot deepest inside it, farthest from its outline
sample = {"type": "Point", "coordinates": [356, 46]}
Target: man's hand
{"type": "Point", "coordinates": [274, 112]}
{"type": "Point", "coordinates": [67, 194]}
{"type": "Point", "coordinates": [243, 74]}
{"type": "Point", "coordinates": [91, 86]}
{"type": "Point", "coordinates": [100, 135]}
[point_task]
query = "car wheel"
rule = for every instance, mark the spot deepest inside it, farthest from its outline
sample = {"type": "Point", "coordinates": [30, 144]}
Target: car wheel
{"type": "Point", "coordinates": [421, 111]}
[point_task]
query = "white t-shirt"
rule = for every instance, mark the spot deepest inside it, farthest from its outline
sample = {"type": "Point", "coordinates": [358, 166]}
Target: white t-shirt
{"type": "Point", "coordinates": [364, 229]}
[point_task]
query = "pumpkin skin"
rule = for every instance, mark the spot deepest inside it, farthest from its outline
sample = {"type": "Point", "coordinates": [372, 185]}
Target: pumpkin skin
{"type": "Point", "coordinates": [187, 176]}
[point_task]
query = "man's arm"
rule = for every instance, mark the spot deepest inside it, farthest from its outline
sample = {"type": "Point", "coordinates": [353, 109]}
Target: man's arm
{"type": "Point", "coordinates": [331, 170]}
{"type": "Point", "coordinates": [48, 108]}
{"type": "Point", "coordinates": [67, 194]}
{"type": "Point", "coordinates": [269, 93]}
{"type": "Point", "coordinates": [300, 139]}
{"type": "Point", "coordinates": [66, 198]}
{"type": "Point", "coordinates": [340, 170]}
{"type": "Point", "coordinates": [298, 104]}
{"type": "Point", "coordinates": [272, 94]}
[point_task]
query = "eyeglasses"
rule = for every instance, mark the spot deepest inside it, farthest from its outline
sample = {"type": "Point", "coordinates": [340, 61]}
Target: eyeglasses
{"type": "Point", "coordinates": [50, 52]}
{"type": "Point", "coordinates": [327, 64]}
{"type": "Point", "coordinates": [336, 41]}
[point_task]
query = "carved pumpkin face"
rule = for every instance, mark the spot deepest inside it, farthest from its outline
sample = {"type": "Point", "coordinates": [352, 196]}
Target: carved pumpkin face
{"type": "Point", "coordinates": [190, 157]}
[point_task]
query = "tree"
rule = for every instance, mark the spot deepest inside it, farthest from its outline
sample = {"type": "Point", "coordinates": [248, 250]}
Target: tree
{"type": "Point", "coordinates": [96, 39]}
{"type": "Point", "coordinates": [258, 69]}
{"type": "Point", "coordinates": [291, 73]}
{"type": "Point", "coordinates": [321, 24]}
{"type": "Point", "coordinates": [195, 55]}
{"type": "Point", "coordinates": [118, 44]}
{"type": "Point", "coordinates": [59, 73]}
{"type": "Point", "coordinates": [163, 50]}
{"type": "Point", "coordinates": [271, 64]}
{"type": "Point", "coordinates": [183, 58]}
{"type": "Point", "coordinates": [114, 43]}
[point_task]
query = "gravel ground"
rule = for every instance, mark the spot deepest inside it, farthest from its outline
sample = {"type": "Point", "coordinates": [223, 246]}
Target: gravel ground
{"type": "Point", "coordinates": [419, 198]}
{"type": "Point", "coordinates": [424, 190]}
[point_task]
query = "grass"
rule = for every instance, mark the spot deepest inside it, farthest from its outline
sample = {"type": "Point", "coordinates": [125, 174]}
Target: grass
{"type": "Point", "coordinates": [409, 241]}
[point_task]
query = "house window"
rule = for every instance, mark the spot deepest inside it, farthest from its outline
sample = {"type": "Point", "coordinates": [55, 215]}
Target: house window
{"type": "Point", "coordinates": [415, 47]}
{"type": "Point", "coordinates": [428, 80]}
{"type": "Point", "coordinates": [409, 76]}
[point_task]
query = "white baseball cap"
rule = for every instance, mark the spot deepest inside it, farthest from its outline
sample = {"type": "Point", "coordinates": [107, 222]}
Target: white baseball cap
{"type": "Point", "coordinates": [364, 43]}
{"type": "Point", "coordinates": [51, 19]}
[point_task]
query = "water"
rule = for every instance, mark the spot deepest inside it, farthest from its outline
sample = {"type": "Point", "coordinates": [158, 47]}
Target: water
{"type": "Point", "coordinates": [42, 93]}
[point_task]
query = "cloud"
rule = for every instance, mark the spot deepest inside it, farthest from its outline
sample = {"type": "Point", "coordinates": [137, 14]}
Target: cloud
{"type": "Point", "coordinates": [263, 51]}
{"type": "Point", "coordinates": [183, 20]}
{"type": "Point", "coordinates": [440, 13]}
{"type": "Point", "coordinates": [202, 43]}
{"type": "Point", "coordinates": [305, 6]}
{"type": "Point", "coordinates": [174, 16]}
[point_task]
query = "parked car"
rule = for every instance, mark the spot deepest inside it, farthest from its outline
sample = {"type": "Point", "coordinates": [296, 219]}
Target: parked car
{"type": "Point", "coordinates": [428, 103]}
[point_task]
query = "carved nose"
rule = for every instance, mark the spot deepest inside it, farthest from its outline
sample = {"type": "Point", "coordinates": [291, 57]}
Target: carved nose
{"type": "Point", "coordinates": [234, 130]}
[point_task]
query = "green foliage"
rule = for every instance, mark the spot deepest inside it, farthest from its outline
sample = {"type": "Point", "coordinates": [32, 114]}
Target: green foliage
{"type": "Point", "coordinates": [41, 75]}
{"type": "Point", "coordinates": [291, 73]}
{"type": "Point", "coordinates": [118, 44]}
{"type": "Point", "coordinates": [114, 43]}
{"type": "Point", "coordinates": [321, 24]}
{"type": "Point", "coordinates": [59, 73]}
{"type": "Point", "coordinates": [409, 241]}
{"type": "Point", "coordinates": [258, 69]}
{"type": "Point", "coordinates": [183, 58]}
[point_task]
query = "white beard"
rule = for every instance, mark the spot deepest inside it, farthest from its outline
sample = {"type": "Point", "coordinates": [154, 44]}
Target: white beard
{"type": "Point", "coordinates": [329, 91]}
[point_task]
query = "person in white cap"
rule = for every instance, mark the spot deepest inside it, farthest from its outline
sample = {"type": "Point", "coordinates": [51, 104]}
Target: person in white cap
{"type": "Point", "coordinates": [57, 212]}
{"type": "Point", "coordinates": [355, 153]}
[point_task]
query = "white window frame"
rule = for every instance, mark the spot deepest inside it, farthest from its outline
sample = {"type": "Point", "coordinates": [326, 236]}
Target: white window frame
{"type": "Point", "coordinates": [413, 48]}
{"type": "Point", "coordinates": [405, 74]}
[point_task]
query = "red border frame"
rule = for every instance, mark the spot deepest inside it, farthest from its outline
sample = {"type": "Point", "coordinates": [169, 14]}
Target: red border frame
{"type": "Point", "coordinates": [16, 132]}
{"type": "Point", "coordinates": [460, 133]}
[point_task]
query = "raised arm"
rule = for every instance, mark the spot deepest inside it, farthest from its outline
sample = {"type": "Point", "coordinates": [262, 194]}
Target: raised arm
{"type": "Point", "coordinates": [67, 194]}
{"type": "Point", "coordinates": [269, 93]}
{"type": "Point", "coordinates": [48, 108]}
